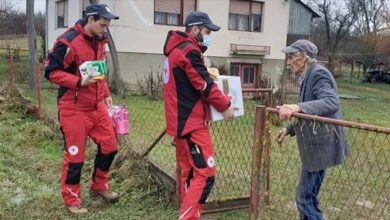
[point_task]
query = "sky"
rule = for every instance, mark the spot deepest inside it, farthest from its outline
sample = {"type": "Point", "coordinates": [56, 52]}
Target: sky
{"type": "Point", "coordinates": [39, 5]}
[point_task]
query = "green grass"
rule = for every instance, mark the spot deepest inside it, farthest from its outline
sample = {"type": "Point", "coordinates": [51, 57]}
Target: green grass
{"type": "Point", "coordinates": [233, 142]}
{"type": "Point", "coordinates": [30, 170]}
{"type": "Point", "coordinates": [18, 42]}
{"type": "Point", "coordinates": [363, 179]}
{"type": "Point", "coordinates": [373, 106]}
{"type": "Point", "coordinates": [30, 163]}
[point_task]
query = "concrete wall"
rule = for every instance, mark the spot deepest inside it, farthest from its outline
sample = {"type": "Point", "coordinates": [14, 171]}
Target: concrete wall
{"type": "Point", "coordinates": [74, 13]}
{"type": "Point", "coordinates": [135, 66]}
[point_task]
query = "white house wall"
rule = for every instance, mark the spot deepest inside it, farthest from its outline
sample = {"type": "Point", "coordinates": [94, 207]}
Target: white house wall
{"type": "Point", "coordinates": [139, 41]}
{"type": "Point", "coordinates": [54, 32]}
{"type": "Point", "coordinates": [136, 32]}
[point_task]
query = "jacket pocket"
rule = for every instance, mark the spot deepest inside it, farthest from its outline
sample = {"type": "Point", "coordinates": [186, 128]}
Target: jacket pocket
{"type": "Point", "coordinates": [196, 154]}
{"type": "Point", "coordinates": [67, 112]}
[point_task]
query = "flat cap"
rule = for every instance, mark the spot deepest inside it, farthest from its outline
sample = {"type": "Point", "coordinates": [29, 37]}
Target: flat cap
{"type": "Point", "coordinates": [303, 46]}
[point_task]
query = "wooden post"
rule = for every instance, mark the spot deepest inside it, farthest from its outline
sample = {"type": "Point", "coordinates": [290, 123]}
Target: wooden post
{"type": "Point", "coordinates": [155, 142]}
{"type": "Point", "coordinates": [12, 71]}
{"type": "Point", "coordinates": [256, 162]}
{"type": "Point", "coordinates": [39, 89]}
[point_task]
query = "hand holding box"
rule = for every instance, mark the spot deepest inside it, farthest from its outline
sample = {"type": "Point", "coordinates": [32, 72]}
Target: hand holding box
{"type": "Point", "coordinates": [96, 68]}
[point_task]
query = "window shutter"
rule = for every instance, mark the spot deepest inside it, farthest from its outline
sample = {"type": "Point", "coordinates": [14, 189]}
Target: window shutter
{"type": "Point", "coordinates": [189, 6]}
{"type": "Point", "coordinates": [167, 6]}
{"type": "Point", "coordinates": [256, 8]}
{"type": "Point", "coordinates": [239, 7]}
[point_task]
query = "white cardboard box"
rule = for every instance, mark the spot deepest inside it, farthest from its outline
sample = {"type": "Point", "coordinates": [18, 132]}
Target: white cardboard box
{"type": "Point", "coordinates": [232, 86]}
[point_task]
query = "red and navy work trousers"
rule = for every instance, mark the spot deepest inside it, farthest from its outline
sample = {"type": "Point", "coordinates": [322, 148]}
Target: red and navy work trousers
{"type": "Point", "coordinates": [195, 156]}
{"type": "Point", "coordinates": [76, 127]}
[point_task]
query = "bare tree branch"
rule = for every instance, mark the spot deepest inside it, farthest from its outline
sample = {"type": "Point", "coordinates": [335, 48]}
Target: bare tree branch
{"type": "Point", "coordinates": [371, 16]}
{"type": "Point", "coordinates": [337, 21]}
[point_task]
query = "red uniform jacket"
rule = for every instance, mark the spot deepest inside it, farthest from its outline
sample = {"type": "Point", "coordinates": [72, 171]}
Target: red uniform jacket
{"type": "Point", "coordinates": [70, 50]}
{"type": "Point", "coordinates": [188, 88]}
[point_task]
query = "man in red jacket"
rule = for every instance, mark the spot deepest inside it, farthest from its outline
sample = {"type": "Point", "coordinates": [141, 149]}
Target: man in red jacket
{"type": "Point", "coordinates": [82, 105]}
{"type": "Point", "coordinates": [188, 92]}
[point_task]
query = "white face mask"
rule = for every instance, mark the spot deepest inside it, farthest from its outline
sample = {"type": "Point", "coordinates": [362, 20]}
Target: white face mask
{"type": "Point", "coordinates": [206, 40]}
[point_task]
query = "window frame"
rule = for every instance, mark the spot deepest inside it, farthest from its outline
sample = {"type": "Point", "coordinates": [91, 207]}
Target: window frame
{"type": "Point", "coordinates": [181, 18]}
{"type": "Point", "coordinates": [241, 67]}
{"type": "Point", "coordinates": [66, 9]}
{"type": "Point", "coordinates": [249, 18]}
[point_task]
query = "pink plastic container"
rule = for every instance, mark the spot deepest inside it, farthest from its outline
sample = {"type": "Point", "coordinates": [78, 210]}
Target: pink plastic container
{"type": "Point", "coordinates": [120, 118]}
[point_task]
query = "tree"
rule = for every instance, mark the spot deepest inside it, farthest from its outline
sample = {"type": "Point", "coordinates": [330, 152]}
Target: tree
{"type": "Point", "coordinates": [369, 21]}
{"type": "Point", "coordinates": [8, 13]}
{"type": "Point", "coordinates": [115, 62]}
{"type": "Point", "coordinates": [338, 16]}
{"type": "Point", "coordinates": [32, 47]}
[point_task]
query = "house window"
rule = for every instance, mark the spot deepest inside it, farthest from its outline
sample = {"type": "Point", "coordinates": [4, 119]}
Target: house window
{"type": "Point", "coordinates": [247, 72]}
{"type": "Point", "coordinates": [245, 15]}
{"type": "Point", "coordinates": [62, 13]}
{"type": "Point", "coordinates": [172, 12]}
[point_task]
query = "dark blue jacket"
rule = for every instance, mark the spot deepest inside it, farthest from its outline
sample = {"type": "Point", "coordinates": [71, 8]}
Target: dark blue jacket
{"type": "Point", "coordinates": [320, 145]}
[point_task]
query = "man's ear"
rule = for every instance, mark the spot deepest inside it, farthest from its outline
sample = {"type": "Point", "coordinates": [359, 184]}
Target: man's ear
{"type": "Point", "coordinates": [90, 19]}
{"type": "Point", "coordinates": [303, 56]}
{"type": "Point", "coordinates": [193, 28]}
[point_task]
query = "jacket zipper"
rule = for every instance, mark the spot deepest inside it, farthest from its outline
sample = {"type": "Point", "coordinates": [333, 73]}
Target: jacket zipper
{"type": "Point", "coordinates": [95, 48]}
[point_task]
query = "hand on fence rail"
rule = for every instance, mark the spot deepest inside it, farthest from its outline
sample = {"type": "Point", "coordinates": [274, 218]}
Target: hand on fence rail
{"type": "Point", "coordinates": [285, 111]}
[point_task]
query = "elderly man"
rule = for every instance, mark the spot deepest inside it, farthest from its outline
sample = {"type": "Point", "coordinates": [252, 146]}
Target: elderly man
{"type": "Point", "coordinates": [320, 146]}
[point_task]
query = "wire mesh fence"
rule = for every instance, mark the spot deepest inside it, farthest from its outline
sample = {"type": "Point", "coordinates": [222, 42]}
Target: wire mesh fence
{"type": "Point", "coordinates": [357, 189]}
{"type": "Point", "coordinates": [232, 140]}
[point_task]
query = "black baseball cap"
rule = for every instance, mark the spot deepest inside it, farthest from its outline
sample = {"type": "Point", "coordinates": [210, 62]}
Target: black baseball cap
{"type": "Point", "coordinates": [200, 18]}
{"type": "Point", "coordinates": [100, 9]}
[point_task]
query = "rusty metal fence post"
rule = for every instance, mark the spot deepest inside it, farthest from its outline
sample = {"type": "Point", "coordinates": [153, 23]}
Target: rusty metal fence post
{"type": "Point", "coordinates": [258, 141]}
{"type": "Point", "coordinates": [356, 189]}
{"type": "Point", "coordinates": [266, 161]}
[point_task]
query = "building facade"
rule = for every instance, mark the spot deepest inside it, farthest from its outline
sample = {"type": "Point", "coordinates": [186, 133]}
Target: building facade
{"type": "Point", "coordinates": [249, 44]}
